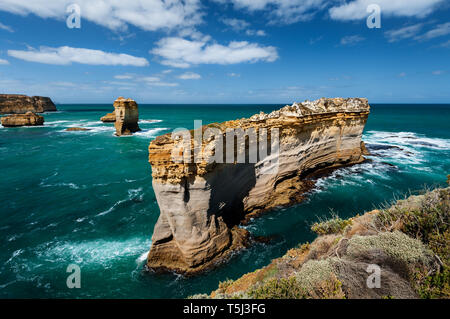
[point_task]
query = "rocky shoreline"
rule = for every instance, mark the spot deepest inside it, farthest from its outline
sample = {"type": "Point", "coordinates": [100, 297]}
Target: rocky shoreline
{"type": "Point", "coordinates": [202, 202]}
{"type": "Point", "coordinates": [408, 242]}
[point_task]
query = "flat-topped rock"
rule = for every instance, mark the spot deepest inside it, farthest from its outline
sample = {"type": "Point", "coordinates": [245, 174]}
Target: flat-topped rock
{"type": "Point", "coordinates": [18, 104]}
{"type": "Point", "coordinates": [109, 118]}
{"type": "Point", "coordinates": [27, 119]}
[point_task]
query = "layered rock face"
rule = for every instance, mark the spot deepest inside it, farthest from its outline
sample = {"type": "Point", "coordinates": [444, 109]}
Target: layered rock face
{"type": "Point", "coordinates": [109, 118]}
{"type": "Point", "coordinates": [126, 116]}
{"type": "Point", "coordinates": [27, 119]}
{"type": "Point", "coordinates": [15, 104]}
{"type": "Point", "coordinates": [204, 197]}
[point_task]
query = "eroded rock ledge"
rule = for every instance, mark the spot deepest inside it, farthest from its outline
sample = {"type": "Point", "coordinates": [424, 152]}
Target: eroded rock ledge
{"type": "Point", "coordinates": [27, 119]}
{"type": "Point", "coordinates": [202, 202]}
{"type": "Point", "coordinates": [16, 103]}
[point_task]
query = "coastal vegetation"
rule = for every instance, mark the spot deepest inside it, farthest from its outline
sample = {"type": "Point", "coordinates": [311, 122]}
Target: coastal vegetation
{"type": "Point", "coordinates": [408, 240]}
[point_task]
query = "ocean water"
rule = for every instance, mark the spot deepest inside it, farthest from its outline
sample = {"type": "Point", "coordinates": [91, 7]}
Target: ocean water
{"type": "Point", "coordinates": [86, 198]}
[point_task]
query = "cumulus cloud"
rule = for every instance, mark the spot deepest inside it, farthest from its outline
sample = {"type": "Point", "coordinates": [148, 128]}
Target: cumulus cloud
{"type": "Point", "coordinates": [351, 39]}
{"type": "Point", "coordinates": [6, 27]}
{"type": "Point", "coordinates": [355, 10]}
{"type": "Point", "coordinates": [190, 76]}
{"type": "Point", "coordinates": [403, 33]}
{"type": "Point", "coordinates": [147, 15]}
{"type": "Point", "coordinates": [3, 61]}
{"type": "Point", "coordinates": [182, 53]}
{"type": "Point", "coordinates": [67, 55]}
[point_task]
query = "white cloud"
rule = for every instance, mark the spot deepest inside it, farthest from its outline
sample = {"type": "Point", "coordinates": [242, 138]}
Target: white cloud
{"type": "Point", "coordinates": [439, 31]}
{"type": "Point", "coordinates": [438, 72]}
{"type": "Point", "coordinates": [351, 39]}
{"type": "Point", "coordinates": [403, 33]}
{"type": "Point", "coordinates": [67, 55]}
{"type": "Point", "coordinates": [6, 27]}
{"type": "Point", "coordinates": [236, 24]}
{"type": "Point", "coordinates": [190, 76]}
{"type": "Point", "coordinates": [234, 75]}
{"type": "Point", "coordinates": [156, 81]}
{"type": "Point", "coordinates": [123, 77]}
{"type": "Point", "coordinates": [4, 62]}
{"type": "Point", "coordinates": [356, 9]}
{"type": "Point", "coordinates": [148, 15]}
{"type": "Point", "coordinates": [259, 33]}
{"type": "Point", "coordinates": [282, 11]}
{"type": "Point", "coordinates": [239, 25]}
{"type": "Point", "coordinates": [182, 53]}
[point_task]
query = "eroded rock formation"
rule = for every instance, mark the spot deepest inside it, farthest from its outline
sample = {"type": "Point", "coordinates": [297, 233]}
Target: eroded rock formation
{"type": "Point", "coordinates": [109, 118]}
{"type": "Point", "coordinates": [27, 119]}
{"type": "Point", "coordinates": [127, 116]}
{"type": "Point", "coordinates": [16, 104]}
{"type": "Point", "coordinates": [202, 201]}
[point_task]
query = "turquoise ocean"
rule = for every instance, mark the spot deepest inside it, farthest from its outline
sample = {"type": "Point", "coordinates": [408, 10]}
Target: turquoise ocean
{"type": "Point", "coordinates": [86, 198]}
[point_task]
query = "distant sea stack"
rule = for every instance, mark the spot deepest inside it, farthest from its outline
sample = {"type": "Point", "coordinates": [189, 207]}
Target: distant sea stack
{"type": "Point", "coordinates": [27, 119]}
{"type": "Point", "coordinates": [17, 104]}
{"type": "Point", "coordinates": [127, 116]}
{"type": "Point", "coordinates": [202, 202]}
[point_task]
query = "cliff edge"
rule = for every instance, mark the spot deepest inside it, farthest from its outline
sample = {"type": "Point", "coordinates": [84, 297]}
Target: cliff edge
{"type": "Point", "coordinates": [17, 104]}
{"type": "Point", "coordinates": [225, 173]}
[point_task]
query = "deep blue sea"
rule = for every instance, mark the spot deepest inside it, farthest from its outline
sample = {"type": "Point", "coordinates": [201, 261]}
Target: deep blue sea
{"type": "Point", "coordinates": [86, 198]}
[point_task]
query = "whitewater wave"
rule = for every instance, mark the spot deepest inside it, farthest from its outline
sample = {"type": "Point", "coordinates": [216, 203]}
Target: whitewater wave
{"type": "Point", "coordinates": [389, 152]}
{"type": "Point", "coordinates": [151, 132]}
{"type": "Point", "coordinates": [133, 195]}
{"type": "Point", "coordinates": [99, 252]}
{"type": "Point", "coordinates": [150, 121]}
{"type": "Point", "coordinates": [407, 139]}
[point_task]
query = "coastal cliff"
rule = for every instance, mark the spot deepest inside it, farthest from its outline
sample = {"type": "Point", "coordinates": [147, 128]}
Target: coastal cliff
{"type": "Point", "coordinates": [203, 198]}
{"type": "Point", "coordinates": [16, 103]}
{"type": "Point", "coordinates": [408, 242]}
{"type": "Point", "coordinates": [126, 116]}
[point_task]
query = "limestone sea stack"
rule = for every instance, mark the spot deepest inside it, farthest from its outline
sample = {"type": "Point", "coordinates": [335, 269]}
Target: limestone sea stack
{"type": "Point", "coordinates": [127, 116]}
{"type": "Point", "coordinates": [202, 201]}
{"type": "Point", "coordinates": [16, 104]}
{"type": "Point", "coordinates": [27, 119]}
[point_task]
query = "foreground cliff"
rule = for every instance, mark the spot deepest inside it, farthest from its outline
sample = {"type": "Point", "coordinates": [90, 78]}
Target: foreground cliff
{"type": "Point", "coordinates": [16, 103]}
{"type": "Point", "coordinates": [204, 197]}
{"type": "Point", "coordinates": [408, 242]}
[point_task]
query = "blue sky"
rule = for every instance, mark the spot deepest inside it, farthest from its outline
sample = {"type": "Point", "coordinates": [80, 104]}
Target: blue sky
{"type": "Point", "coordinates": [226, 51]}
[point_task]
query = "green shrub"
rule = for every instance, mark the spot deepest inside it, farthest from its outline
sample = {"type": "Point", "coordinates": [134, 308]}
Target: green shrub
{"type": "Point", "coordinates": [333, 225]}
